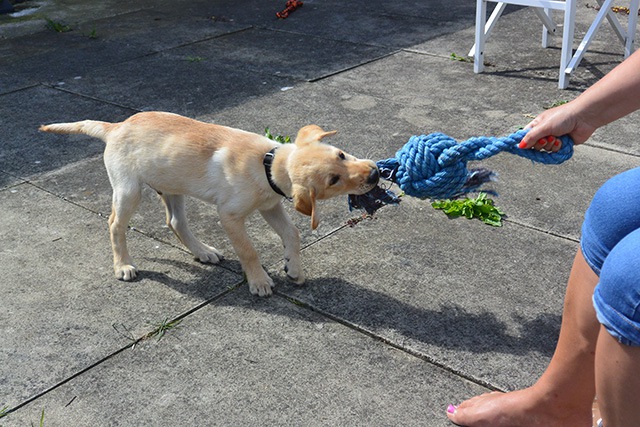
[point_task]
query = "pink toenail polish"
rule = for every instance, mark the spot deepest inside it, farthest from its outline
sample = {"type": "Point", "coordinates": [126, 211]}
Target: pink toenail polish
{"type": "Point", "coordinates": [451, 409]}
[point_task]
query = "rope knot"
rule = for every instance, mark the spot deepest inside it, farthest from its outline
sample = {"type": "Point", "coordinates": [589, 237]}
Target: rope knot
{"type": "Point", "coordinates": [425, 170]}
{"type": "Point", "coordinates": [435, 165]}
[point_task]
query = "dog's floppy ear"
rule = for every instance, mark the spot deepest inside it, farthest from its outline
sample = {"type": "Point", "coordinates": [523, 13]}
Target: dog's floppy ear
{"type": "Point", "coordinates": [304, 201]}
{"type": "Point", "coordinates": [310, 134]}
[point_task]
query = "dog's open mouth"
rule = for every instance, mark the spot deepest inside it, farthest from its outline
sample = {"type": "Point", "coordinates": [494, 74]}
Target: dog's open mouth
{"type": "Point", "coordinates": [373, 199]}
{"type": "Point", "coordinates": [371, 196]}
{"type": "Point", "coordinates": [371, 182]}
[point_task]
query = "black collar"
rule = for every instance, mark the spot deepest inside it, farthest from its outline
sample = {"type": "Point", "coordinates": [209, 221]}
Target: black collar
{"type": "Point", "coordinates": [267, 161]}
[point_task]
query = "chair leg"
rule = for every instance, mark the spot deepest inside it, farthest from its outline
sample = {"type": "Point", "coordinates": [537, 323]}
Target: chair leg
{"type": "Point", "coordinates": [588, 37]}
{"type": "Point", "coordinates": [481, 20]}
{"type": "Point", "coordinates": [497, 12]}
{"type": "Point", "coordinates": [631, 29]}
{"type": "Point", "coordinates": [545, 32]}
{"type": "Point", "coordinates": [548, 26]}
{"type": "Point", "coordinates": [567, 43]}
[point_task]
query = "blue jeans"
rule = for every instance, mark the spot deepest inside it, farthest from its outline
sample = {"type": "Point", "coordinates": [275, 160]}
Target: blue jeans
{"type": "Point", "coordinates": [610, 244]}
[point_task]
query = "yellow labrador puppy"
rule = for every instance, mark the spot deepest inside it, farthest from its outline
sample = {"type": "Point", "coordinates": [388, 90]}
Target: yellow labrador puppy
{"type": "Point", "coordinates": [236, 170]}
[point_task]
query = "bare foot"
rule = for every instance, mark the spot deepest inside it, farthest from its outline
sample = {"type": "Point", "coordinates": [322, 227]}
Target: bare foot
{"type": "Point", "coordinates": [518, 408]}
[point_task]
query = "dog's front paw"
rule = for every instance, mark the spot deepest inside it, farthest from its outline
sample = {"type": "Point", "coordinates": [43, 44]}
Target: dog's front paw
{"type": "Point", "coordinates": [209, 255]}
{"type": "Point", "coordinates": [294, 271]}
{"type": "Point", "coordinates": [261, 287]}
{"type": "Point", "coordinates": [126, 272]}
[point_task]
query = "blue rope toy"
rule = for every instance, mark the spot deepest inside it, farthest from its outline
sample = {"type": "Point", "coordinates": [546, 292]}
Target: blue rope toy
{"type": "Point", "coordinates": [434, 166]}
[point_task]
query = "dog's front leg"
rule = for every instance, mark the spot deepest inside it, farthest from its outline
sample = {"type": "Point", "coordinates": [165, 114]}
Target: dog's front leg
{"type": "Point", "coordinates": [259, 281]}
{"type": "Point", "coordinates": [282, 224]}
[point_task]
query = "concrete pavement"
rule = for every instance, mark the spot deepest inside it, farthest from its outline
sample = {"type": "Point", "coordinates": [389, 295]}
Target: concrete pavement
{"type": "Point", "coordinates": [400, 315]}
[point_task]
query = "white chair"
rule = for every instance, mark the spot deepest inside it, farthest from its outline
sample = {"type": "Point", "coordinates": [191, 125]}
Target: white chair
{"type": "Point", "coordinates": [569, 60]}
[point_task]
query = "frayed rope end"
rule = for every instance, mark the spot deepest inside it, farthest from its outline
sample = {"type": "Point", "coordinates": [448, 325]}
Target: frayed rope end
{"type": "Point", "coordinates": [378, 197]}
{"type": "Point", "coordinates": [373, 200]}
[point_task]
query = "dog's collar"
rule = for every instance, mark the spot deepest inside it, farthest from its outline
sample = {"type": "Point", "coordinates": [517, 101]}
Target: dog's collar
{"type": "Point", "coordinates": [267, 161]}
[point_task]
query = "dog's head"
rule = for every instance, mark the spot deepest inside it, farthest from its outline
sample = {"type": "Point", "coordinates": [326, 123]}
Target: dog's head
{"type": "Point", "coordinates": [319, 171]}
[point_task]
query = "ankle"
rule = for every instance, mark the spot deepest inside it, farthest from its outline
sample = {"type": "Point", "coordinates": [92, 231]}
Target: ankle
{"type": "Point", "coordinates": [567, 403]}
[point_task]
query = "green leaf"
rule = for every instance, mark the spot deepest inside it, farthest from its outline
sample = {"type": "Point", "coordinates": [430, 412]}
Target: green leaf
{"type": "Point", "coordinates": [278, 138]}
{"type": "Point", "coordinates": [58, 27]}
{"type": "Point", "coordinates": [481, 207]}
{"type": "Point", "coordinates": [456, 57]}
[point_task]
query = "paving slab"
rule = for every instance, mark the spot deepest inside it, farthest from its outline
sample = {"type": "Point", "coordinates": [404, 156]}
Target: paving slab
{"type": "Point", "coordinates": [255, 58]}
{"type": "Point", "coordinates": [298, 56]}
{"type": "Point", "coordinates": [62, 309]}
{"type": "Point", "coordinates": [395, 24]}
{"type": "Point", "coordinates": [157, 30]}
{"type": "Point", "coordinates": [558, 206]}
{"type": "Point", "coordinates": [175, 81]}
{"type": "Point", "coordinates": [52, 57]}
{"type": "Point", "coordinates": [247, 361]}
{"type": "Point", "coordinates": [31, 16]}
{"type": "Point", "coordinates": [391, 24]}
{"type": "Point", "coordinates": [473, 298]}
{"type": "Point", "coordinates": [26, 152]}
{"type": "Point", "coordinates": [437, 94]}
{"type": "Point", "coordinates": [7, 180]}
{"type": "Point", "coordinates": [444, 88]}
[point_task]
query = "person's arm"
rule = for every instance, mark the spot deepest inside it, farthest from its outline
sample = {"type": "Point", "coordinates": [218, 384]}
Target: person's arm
{"type": "Point", "coordinates": [614, 96]}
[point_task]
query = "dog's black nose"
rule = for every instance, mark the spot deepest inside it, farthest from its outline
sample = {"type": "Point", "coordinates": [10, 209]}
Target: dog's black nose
{"type": "Point", "coordinates": [374, 176]}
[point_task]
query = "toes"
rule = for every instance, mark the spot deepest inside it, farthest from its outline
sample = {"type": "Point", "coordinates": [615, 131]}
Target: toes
{"type": "Point", "coordinates": [126, 273]}
{"type": "Point", "coordinates": [210, 256]}
{"type": "Point", "coordinates": [482, 410]}
{"type": "Point", "coordinates": [262, 288]}
{"type": "Point", "coordinates": [294, 272]}
{"type": "Point", "coordinates": [298, 280]}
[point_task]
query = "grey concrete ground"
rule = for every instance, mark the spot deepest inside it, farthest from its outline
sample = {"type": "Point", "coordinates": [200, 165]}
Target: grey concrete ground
{"type": "Point", "coordinates": [401, 315]}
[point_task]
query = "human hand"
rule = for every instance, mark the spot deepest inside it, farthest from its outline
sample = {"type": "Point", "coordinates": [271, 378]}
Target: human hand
{"type": "Point", "coordinates": [545, 129]}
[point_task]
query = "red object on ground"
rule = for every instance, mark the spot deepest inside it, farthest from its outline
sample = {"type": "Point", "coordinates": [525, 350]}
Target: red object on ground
{"type": "Point", "coordinates": [289, 7]}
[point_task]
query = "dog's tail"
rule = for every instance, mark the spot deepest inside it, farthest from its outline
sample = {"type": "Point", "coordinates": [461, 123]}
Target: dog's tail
{"type": "Point", "coordinates": [93, 128]}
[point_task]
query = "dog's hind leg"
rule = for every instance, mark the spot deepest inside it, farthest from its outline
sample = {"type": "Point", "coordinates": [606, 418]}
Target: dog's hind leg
{"type": "Point", "coordinates": [125, 202]}
{"type": "Point", "coordinates": [177, 222]}
{"type": "Point", "coordinates": [278, 219]}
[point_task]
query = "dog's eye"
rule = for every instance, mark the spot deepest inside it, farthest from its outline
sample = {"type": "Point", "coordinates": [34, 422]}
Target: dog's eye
{"type": "Point", "coordinates": [334, 180]}
{"type": "Point", "coordinates": [341, 155]}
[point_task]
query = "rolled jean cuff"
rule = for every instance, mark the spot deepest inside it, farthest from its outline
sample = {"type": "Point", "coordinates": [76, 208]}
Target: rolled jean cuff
{"type": "Point", "coordinates": [619, 326]}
